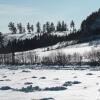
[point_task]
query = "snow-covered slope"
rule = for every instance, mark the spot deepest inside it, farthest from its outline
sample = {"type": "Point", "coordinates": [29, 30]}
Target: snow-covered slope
{"type": "Point", "coordinates": [77, 48]}
{"type": "Point", "coordinates": [69, 47]}
{"type": "Point", "coordinates": [82, 49]}
{"type": "Point", "coordinates": [10, 36]}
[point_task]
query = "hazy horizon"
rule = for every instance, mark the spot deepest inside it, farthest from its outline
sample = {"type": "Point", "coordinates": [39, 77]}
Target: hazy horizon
{"type": "Point", "coordinates": [45, 10]}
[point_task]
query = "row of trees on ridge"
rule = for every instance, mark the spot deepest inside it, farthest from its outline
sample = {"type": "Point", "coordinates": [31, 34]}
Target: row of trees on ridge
{"type": "Point", "coordinates": [48, 27]}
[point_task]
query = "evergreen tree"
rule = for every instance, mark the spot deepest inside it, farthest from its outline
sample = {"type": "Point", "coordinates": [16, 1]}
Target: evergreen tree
{"type": "Point", "coordinates": [63, 26]}
{"type": "Point", "coordinates": [59, 26]}
{"type": "Point", "coordinates": [32, 28]}
{"type": "Point", "coordinates": [72, 25]}
{"type": "Point", "coordinates": [52, 27]}
{"type": "Point", "coordinates": [44, 28]}
{"type": "Point", "coordinates": [38, 27]}
{"type": "Point", "coordinates": [1, 40]}
{"type": "Point", "coordinates": [28, 28]}
{"type": "Point", "coordinates": [12, 28]}
{"type": "Point", "coordinates": [48, 27]}
{"type": "Point", "coordinates": [20, 28]}
{"type": "Point", "coordinates": [11, 48]}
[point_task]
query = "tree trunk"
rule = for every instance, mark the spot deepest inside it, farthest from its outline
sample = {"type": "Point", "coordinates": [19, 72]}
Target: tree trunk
{"type": "Point", "coordinates": [13, 58]}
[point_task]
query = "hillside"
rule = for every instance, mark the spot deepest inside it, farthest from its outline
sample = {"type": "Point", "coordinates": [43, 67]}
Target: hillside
{"type": "Point", "coordinates": [10, 36]}
{"type": "Point", "coordinates": [81, 49]}
{"type": "Point", "coordinates": [91, 25]}
{"type": "Point", "coordinates": [52, 35]}
{"type": "Point", "coordinates": [53, 41]}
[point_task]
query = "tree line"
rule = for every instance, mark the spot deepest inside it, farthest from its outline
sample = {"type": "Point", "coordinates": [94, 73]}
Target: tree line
{"type": "Point", "coordinates": [48, 27]}
{"type": "Point", "coordinates": [59, 58]}
{"type": "Point", "coordinates": [42, 37]}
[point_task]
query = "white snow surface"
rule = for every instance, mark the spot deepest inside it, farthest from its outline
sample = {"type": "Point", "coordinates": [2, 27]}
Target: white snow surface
{"type": "Point", "coordinates": [17, 36]}
{"type": "Point", "coordinates": [10, 36]}
{"type": "Point", "coordinates": [88, 89]}
{"type": "Point", "coordinates": [81, 48]}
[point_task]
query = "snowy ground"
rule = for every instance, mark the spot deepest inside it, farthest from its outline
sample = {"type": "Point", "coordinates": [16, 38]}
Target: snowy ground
{"type": "Point", "coordinates": [88, 89]}
{"type": "Point", "coordinates": [82, 49]}
{"type": "Point", "coordinates": [10, 36]}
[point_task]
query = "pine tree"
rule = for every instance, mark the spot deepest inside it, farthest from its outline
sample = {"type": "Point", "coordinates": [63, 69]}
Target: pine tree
{"type": "Point", "coordinates": [44, 28]}
{"type": "Point", "coordinates": [72, 25]}
{"type": "Point", "coordinates": [12, 28]}
{"type": "Point", "coordinates": [52, 27]}
{"type": "Point", "coordinates": [63, 26]}
{"type": "Point", "coordinates": [48, 27]}
{"type": "Point", "coordinates": [20, 28]}
{"type": "Point", "coordinates": [59, 26]}
{"type": "Point", "coordinates": [28, 28]}
{"type": "Point", "coordinates": [38, 27]}
{"type": "Point", "coordinates": [32, 28]}
{"type": "Point", "coordinates": [1, 40]}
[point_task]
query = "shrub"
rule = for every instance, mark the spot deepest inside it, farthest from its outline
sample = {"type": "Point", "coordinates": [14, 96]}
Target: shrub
{"type": "Point", "coordinates": [29, 89]}
{"type": "Point", "coordinates": [76, 82]}
{"type": "Point", "coordinates": [58, 88]}
{"type": "Point", "coordinates": [25, 71]}
{"type": "Point", "coordinates": [5, 88]}
{"type": "Point", "coordinates": [34, 77]}
{"type": "Point", "coordinates": [70, 83]}
{"type": "Point", "coordinates": [89, 74]}
{"type": "Point", "coordinates": [47, 99]}
{"type": "Point", "coordinates": [1, 80]}
{"type": "Point", "coordinates": [28, 83]}
{"type": "Point", "coordinates": [42, 77]}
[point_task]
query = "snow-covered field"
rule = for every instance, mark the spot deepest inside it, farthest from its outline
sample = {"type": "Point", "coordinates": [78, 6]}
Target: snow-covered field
{"type": "Point", "coordinates": [88, 89]}
{"type": "Point", "coordinates": [82, 49]}
{"type": "Point", "coordinates": [77, 48]}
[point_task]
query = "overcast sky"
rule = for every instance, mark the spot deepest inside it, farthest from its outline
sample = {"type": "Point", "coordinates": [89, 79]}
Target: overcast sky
{"type": "Point", "coordinates": [45, 10]}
